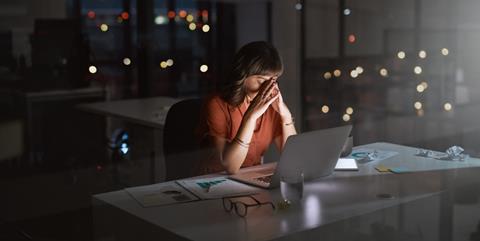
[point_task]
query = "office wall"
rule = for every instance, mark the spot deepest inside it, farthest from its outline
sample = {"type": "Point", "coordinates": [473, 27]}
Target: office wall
{"type": "Point", "coordinates": [321, 31]}
{"type": "Point", "coordinates": [252, 22]}
{"type": "Point", "coordinates": [286, 37]}
{"type": "Point", "coordinates": [386, 27]}
{"type": "Point", "coordinates": [468, 37]}
{"type": "Point", "coordinates": [371, 19]}
{"type": "Point", "coordinates": [19, 15]}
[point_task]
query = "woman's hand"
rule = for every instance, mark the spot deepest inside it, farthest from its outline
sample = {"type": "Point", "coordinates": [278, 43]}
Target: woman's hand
{"type": "Point", "coordinates": [265, 97]}
{"type": "Point", "coordinates": [281, 107]}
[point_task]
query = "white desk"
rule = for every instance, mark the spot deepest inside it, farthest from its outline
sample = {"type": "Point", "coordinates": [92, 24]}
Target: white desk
{"type": "Point", "coordinates": [406, 158]}
{"type": "Point", "coordinates": [149, 112]}
{"type": "Point", "coordinates": [339, 207]}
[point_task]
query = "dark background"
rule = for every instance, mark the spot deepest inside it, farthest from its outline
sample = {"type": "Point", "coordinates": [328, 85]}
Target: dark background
{"type": "Point", "coordinates": [346, 61]}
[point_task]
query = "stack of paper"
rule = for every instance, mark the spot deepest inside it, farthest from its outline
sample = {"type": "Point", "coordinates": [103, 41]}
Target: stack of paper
{"type": "Point", "coordinates": [212, 188]}
{"type": "Point", "coordinates": [160, 194]}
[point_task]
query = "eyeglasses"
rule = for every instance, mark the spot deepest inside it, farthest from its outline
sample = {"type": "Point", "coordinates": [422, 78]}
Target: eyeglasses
{"type": "Point", "coordinates": [241, 208]}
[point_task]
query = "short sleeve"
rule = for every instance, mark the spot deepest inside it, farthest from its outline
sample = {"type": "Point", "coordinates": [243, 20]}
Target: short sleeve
{"type": "Point", "coordinates": [217, 118]}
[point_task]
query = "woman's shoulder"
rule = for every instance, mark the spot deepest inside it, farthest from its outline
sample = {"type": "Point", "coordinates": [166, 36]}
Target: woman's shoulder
{"type": "Point", "coordinates": [215, 102]}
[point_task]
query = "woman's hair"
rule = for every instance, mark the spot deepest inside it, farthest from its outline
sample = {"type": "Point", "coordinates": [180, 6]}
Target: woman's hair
{"type": "Point", "coordinates": [255, 58]}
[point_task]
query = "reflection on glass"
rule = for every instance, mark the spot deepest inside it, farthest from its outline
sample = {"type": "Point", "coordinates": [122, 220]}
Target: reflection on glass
{"type": "Point", "coordinates": [445, 51]}
{"type": "Point", "coordinates": [327, 75]}
{"type": "Point", "coordinates": [205, 28]}
{"type": "Point", "coordinates": [420, 112]}
{"type": "Point", "coordinates": [424, 84]}
{"type": "Point", "coordinates": [418, 105]}
{"type": "Point", "coordinates": [91, 14]}
{"type": "Point", "coordinates": [312, 210]}
{"type": "Point", "coordinates": [383, 72]}
{"type": "Point", "coordinates": [354, 73]}
{"type": "Point", "coordinates": [182, 13]}
{"type": "Point", "coordinates": [349, 110]}
{"type": "Point", "coordinates": [422, 54]}
{"type": "Point", "coordinates": [204, 68]}
{"type": "Point", "coordinates": [284, 226]}
{"type": "Point", "coordinates": [163, 64]}
{"type": "Point", "coordinates": [159, 20]}
{"type": "Point", "coordinates": [447, 106]}
{"type": "Point", "coordinates": [420, 88]}
{"type": "Point", "coordinates": [359, 69]}
{"type": "Point", "coordinates": [346, 117]}
{"type": "Point", "coordinates": [125, 15]}
{"type": "Point", "coordinates": [417, 70]}
{"type": "Point", "coordinates": [205, 15]}
{"type": "Point", "coordinates": [337, 73]}
{"type": "Point", "coordinates": [171, 14]}
{"type": "Point", "coordinates": [104, 27]}
{"type": "Point", "coordinates": [352, 38]}
{"type": "Point", "coordinates": [298, 6]}
{"type": "Point", "coordinates": [325, 109]}
{"type": "Point", "coordinates": [92, 69]}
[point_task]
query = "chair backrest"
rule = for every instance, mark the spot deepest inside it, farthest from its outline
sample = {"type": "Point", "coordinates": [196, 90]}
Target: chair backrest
{"type": "Point", "coordinates": [180, 143]}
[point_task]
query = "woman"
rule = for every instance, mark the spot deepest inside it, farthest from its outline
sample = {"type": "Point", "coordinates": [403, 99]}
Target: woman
{"type": "Point", "coordinates": [249, 112]}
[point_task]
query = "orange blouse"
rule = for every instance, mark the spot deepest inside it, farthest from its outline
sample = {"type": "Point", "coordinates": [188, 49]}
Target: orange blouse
{"type": "Point", "coordinates": [223, 120]}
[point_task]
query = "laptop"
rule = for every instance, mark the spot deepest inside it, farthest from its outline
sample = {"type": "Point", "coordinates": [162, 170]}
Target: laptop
{"type": "Point", "coordinates": [315, 153]}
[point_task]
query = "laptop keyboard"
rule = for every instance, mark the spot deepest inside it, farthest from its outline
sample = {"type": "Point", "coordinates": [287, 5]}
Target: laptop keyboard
{"type": "Point", "coordinates": [265, 179]}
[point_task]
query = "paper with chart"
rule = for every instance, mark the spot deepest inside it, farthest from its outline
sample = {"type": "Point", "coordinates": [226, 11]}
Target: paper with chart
{"type": "Point", "coordinates": [160, 194]}
{"type": "Point", "coordinates": [218, 187]}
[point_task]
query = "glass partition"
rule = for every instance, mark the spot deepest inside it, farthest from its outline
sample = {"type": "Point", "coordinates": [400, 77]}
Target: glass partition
{"type": "Point", "coordinates": [400, 72]}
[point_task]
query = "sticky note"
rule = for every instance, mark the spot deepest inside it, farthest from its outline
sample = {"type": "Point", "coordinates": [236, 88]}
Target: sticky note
{"type": "Point", "coordinates": [382, 168]}
{"type": "Point", "coordinates": [399, 170]}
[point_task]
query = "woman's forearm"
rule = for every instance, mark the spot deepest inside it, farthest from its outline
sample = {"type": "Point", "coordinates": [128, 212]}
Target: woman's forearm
{"type": "Point", "coordinates": [235, 152]}
{"type": "Point", "coordinates": [288, 129]}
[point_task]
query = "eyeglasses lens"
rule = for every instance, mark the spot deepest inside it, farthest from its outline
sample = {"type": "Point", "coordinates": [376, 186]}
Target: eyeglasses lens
{"type": "Point", "coordinates": [227, 204]}
{"type": "Point", "coordinates": [241, 209]}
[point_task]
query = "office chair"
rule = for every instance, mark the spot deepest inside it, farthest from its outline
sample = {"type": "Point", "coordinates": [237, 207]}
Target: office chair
{"type": "Point", "coordinates": [181, 147]}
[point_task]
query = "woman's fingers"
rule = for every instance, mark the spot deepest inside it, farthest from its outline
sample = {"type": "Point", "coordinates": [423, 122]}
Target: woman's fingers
{"type": "Point", "coordinates": [272, 99]}
{"type": "Point", "coordinates": [276, 90]}
{"type": "Point", "coordinates": [269, 90]}
{"type": "Point", "coordinates": [266, 95]}
{"type": "Point", "coordinates": [260, 105]}
{"type": "Point", "coordinates": [265, 85]}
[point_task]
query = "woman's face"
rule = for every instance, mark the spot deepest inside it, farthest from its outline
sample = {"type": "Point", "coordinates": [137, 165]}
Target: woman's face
{"type": "Point", "coordinates": [254, 82]}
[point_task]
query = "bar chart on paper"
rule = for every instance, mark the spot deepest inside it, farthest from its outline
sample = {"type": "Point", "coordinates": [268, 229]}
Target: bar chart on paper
{"type": "Point", "coordinates": [218, 187]}
{"type": "Point", "coordinates": [208, 184]}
